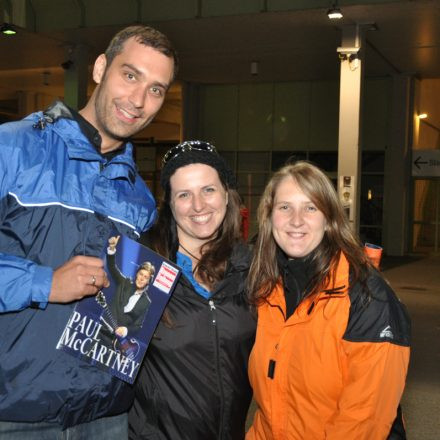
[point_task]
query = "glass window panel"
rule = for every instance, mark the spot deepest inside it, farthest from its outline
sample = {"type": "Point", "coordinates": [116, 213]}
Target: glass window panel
{"type": "Point", "coordinates": [291, 115]}
{"type": "Point", "coordinates": [426, 227]}
{"type": "Point", "coordinates": [255, 116]}
{"type": "Point", "coordinates": [424, 237]}
{"type": "Point", "coordinates": [229, 157]}
{"type": "Point", "coordinates": [371, 235]}
{"type": "Point", "coordinates": [371, 200]}
{"type": "Point", "coordinates": [281, 158]}
{"type": "Point", "coordinates": [324, 115]}
{"type": "Point", "coordinates": [325, 161]}
{"type": "Point", "coordinates": [373, 161]}
{"type": "Point", "coordinates": [251, 203]}
{"type": "Point", "coordinates": [252, 183]}
{"type": "Point", "coordinates": [425, 200]}
{"type": "Point", "coordinates": [220, 114]}
{"type": "Point", "coordinates": [253, 161]}
{"type": "Point", "coordinates": [145, 158]}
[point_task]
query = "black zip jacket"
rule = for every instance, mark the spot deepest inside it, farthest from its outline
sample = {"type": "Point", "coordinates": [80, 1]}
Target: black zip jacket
{"type": "Point", "coordinates": [193, 383]}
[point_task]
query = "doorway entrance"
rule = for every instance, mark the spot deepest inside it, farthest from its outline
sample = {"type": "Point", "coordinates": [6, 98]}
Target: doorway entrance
{"type": "Point", "coordinates": [426, 216]}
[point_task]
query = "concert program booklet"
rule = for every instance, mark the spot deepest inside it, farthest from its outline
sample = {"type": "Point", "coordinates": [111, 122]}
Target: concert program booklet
{"type": "Point", "coordinates": [112, 330]}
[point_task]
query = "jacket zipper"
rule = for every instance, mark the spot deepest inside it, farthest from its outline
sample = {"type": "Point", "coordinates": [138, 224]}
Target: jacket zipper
{"type": "Point", "coordinates": [213, 311]}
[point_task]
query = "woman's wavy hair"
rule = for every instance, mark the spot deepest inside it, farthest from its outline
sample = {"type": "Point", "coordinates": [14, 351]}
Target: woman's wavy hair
{"type": "Point", "coordinates": [338, 237]}
{"type": "Point", "coordinates": [216, 252]}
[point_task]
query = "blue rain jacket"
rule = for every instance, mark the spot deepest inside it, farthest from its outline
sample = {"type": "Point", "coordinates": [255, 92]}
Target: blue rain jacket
{"type": "Point", "coordinates": [58, 198]}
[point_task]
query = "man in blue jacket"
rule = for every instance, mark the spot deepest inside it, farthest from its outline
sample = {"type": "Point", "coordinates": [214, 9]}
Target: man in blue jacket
{"type": "Point", "coordinates": [67, 179]}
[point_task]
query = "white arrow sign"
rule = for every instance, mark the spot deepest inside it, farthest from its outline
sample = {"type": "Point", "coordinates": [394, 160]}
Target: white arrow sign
{"type": "Point", "coordinates": [426, 163]}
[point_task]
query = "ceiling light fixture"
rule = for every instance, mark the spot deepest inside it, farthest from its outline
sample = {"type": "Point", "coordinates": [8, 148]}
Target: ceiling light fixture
{"type": "Point", "coordinates": [7, 29]}
{"type": "Point", "coordinates": [422, 115]}
{"type": "Point", "coordinates": [334, 13]}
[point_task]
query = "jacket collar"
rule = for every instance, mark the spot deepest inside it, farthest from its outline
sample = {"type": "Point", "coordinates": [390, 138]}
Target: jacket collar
{"type": "Point", "coordinates": [335, 288]}
{"type": "Point", "coordinates": [338, 285]}
{"type": "Point", "coordinates": [238, 262]}
{"type": "Point", "coordinates": [79, 146]}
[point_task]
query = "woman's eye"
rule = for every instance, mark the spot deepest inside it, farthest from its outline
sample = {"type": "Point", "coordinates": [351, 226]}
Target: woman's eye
{"type": "Point", "coordinates": [311, 208]}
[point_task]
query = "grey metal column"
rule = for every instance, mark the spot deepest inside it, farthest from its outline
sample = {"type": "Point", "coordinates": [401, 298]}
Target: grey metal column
{"type": "Point", "coordinates": [350, 98]}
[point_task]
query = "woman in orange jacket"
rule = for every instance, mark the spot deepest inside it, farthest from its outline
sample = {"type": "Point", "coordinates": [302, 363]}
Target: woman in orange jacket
{"type": "Point", "coordinates": [332, 346]}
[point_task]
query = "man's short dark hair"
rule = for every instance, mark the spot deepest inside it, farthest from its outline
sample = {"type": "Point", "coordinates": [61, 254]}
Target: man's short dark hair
{"type": "Point", "coordinates": [145, 35]}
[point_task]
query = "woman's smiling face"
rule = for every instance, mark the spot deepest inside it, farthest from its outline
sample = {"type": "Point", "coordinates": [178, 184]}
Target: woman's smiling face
{"type": "Point", "coordinates": [198, 203]}
{"type": "Point", "coordinates": [298, 226]}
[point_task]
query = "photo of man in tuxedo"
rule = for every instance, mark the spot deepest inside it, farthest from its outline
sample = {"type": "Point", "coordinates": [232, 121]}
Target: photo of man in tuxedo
{"type": "Point", "coordinates": [131, 302]}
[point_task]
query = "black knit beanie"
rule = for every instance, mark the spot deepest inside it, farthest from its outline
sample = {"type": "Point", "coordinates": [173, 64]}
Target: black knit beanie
{"type": "Point", "coordinates": [187, 153]}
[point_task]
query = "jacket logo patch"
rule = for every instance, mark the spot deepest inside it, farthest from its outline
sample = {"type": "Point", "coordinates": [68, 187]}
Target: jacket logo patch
{"type": "Point", "coordinates": [387, 333]}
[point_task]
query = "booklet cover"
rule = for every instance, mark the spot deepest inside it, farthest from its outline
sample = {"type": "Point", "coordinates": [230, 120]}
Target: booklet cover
{"type": "Point", "coordinates": [112, 330]}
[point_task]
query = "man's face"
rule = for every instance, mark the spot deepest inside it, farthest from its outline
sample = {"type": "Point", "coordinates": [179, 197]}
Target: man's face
{"type": "Point", "coordinates": [142, 278]}
{"type": "Point", "coordinates": [130, 91]}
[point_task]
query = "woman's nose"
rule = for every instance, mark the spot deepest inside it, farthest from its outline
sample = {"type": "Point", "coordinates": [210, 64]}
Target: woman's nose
{"type": "Point", "coordinates": [296, 217]}
{"type": "Point", "coordinates": [197, 203]}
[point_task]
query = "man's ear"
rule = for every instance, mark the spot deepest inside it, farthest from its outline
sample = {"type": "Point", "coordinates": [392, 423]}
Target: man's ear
{"type": "Point", "coordinates": [99, 68]}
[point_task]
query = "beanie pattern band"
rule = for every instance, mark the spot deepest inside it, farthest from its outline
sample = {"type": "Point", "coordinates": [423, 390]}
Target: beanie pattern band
{"type": "Point", "coordinates": [182, 155]}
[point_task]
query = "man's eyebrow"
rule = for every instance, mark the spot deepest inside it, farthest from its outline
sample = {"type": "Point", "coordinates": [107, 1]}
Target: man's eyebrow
{"type": "Point", "coordinates": [135, 70]}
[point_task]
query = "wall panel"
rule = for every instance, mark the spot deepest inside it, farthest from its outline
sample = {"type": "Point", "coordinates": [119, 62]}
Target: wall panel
{"type": "Point", "coordinates": [255, 117]}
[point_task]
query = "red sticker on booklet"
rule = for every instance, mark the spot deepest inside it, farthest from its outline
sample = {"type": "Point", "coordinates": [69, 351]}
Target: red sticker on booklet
{"type": "Point", "coordinates": [165, 278]}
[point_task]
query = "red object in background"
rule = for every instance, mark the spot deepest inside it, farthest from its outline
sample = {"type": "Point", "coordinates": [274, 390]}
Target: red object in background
{"type": "Point", "coordinates": [374, 253]}
{"type": "Point", "coordinates": [244, 222]}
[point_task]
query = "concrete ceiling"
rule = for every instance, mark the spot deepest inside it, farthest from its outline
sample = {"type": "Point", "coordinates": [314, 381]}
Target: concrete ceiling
{"type": "Point", "coordinates": [295, 44]}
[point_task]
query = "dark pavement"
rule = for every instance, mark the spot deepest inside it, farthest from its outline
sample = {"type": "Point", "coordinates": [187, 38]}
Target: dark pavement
{"type": "Point", "coordinates": [417, 283]}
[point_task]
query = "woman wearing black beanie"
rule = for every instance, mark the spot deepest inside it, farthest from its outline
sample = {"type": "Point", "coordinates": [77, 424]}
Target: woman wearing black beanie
{"type": "Point", "coordinates": [193, 383]}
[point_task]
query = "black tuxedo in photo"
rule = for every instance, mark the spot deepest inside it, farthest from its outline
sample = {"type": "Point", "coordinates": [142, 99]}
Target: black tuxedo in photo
{"type": "Point", "coordinates": [125, 288]}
